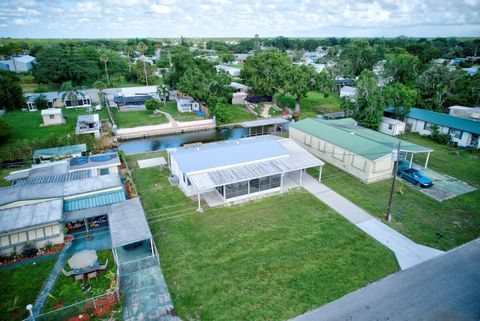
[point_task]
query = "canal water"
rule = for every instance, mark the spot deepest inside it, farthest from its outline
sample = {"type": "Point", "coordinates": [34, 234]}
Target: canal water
{"type": "Point", "coordinates": [170, 141]}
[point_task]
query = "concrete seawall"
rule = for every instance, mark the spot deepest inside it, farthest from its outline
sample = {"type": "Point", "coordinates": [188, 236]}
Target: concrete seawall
{"type": "Point", "coordinates": [173, 127]}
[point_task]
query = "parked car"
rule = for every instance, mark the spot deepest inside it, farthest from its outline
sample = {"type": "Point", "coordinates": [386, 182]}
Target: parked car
{"type": "Point", "coordinates": [415, 176]}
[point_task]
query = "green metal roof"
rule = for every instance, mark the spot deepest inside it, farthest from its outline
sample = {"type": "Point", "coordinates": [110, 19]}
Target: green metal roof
{"type": "Point", "coordinates": [346, 134]}
{"type": "Point", "coordinates": [60, 151]}
{"type": "Point", "coordinates": [94, 201]}
{"type": "Point", "coordinates": [466, 125]}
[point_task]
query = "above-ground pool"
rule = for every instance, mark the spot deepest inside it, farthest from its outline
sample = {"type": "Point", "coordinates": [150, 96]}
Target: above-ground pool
{"type": "Point", "coordinates": [78, 161]}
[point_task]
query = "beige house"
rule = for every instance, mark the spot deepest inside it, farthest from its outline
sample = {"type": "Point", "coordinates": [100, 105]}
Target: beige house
{"type": "Point", "coordinates": [361, 152]}
{"type": "Point", "coordinates": [52, 116]}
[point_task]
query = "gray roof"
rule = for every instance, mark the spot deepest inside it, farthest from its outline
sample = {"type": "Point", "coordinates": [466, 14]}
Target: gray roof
{"type": "Point", "coordinates": [227, 153]}
{"type": "Point", "coordinates": [128, 223]}
{"type": "Point", "coordinates": [21, 217]}
{"type": "Point", "coordinates": [56, 178]}
{"type": "Point", "coordinates": [296, 158]}
{"type": "Point", "coordinates": [16, 193]}
{"type": "Point", "coordinates": [264, 122]}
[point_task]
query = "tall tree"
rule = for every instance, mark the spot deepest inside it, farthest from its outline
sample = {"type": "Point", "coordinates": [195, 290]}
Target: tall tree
{"type": "Point", "coordinates": [104, 59]}
{"type": "Point", "coordinates": [163, 92]}
{"type": "Point", "coordinates": [368, 106]}
{"type": "Point", "coordinates": [100, 86]}
{"type": "Point", "coordinates": [71, 92]}
{"type": "Point", "coordinates": [436, 84]}
{"type": "Point", "coordinates": [142, 48]}
{"type": "Point", "coordinates": [324, 82]}
{"type": "Point", "coordinates": [266, 73]}
{"type": "Point", "coordinates": [299, 82]}
{"type": "Point", "coordinates": [401, 98]}
{"type": "Point", "coordinates": [41, 102]}
{"type": "Point", "coordinates": [402, 67]}
{"type": "Point", "coordinates": [11, 94]}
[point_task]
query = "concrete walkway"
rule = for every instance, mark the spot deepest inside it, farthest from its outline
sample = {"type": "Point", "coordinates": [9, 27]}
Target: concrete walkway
{"type": "Point", "coordinates": [444, 288]}
{"type": "Point", "coordinates": [407, 252]}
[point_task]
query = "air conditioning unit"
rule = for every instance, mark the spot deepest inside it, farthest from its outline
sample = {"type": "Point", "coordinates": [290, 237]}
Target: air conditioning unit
{"type": "Point", "coordinates": [173, 179]}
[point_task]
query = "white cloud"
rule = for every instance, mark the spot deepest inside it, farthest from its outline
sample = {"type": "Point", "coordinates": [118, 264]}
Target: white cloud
{"type": "Point", "coordinates": [160, 8]}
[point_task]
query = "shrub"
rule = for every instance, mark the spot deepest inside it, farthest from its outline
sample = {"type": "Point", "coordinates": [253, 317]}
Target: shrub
{"type": "Point", "coordinates": [3, 128]}
{"type": "Point", "coordinates": [437, 136]}
{"type": "Point", "coordinates": [29, 250]}
{"type": "Point", "coordinates": [41, 89]}
{"type": "Point", "coordinates": [49, 246]}
{"type": "Point", "coordinates": [152, 104]}
{"type": "Point", "coordinates": [284, 101]}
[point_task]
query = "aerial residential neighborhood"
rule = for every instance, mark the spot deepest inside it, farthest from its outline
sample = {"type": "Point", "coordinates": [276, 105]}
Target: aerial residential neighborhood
{"type": "Point", "coordinates": [220, 160]}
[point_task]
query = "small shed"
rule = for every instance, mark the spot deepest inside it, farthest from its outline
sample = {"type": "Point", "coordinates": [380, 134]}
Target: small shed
{"type": "Point", "coordinates": [52, 116]}
{"type": "Point", "coordinates": [392, 127]}
{"type": "Point", "coordinates": [89, 124]}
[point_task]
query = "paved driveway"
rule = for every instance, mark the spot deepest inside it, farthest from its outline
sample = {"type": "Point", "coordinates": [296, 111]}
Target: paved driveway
{"type": "Point", "coordinates": [444, 288]}
{"type": "Point", "coordinates": [407, 252]}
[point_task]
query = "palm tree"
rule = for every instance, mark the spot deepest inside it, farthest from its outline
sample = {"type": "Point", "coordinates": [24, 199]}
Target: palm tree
{"type": "Point", "coordinates": [163, 92]}
{"type": "Point", "coordinates": [104, 59]}
{"type": "Point", "coordinates": [128, 52]}
{"type": "Point", "coordinates": [71, 93]}
{"type": "Point", "coordinates": [101, 86]}
{"type": "Point", "coordinates": [142, 48]}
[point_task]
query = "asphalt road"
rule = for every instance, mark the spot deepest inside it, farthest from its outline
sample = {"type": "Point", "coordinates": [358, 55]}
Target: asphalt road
{"type": "Point", "coordinates": [445, 288]}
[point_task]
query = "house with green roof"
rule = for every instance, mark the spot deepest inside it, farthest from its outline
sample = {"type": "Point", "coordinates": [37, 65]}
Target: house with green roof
{"type": "Point", "coordinates": [362, 152]}
{"type": "Point", "coordinates": [464, 132]}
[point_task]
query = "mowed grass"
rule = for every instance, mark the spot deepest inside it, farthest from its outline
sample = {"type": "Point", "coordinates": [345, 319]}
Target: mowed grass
{"type": "Point", "coordinates": [270, 259]}
{"type": "Point", "coordinates": [23, 281]}
{"type": "Point", "coordinates": [172, 110]}
{"type": "Point", "coordinates": [415, 214]}
{"type": "Point", "coordinates": [316, 103]}
{"type": "Point", "coordinates": [129, 119]}
{"type": "Point", "coordinates": [238, 113]}
{"type": "Point", "coordinates": [24, 127]}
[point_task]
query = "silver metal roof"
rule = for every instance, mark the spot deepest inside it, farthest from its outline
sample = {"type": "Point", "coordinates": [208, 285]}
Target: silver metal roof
{"type": "Point", "coordinates": [16, 218]}
{"type": "Point", "coordinates": [56, 178]}
{"type": "Point", "coordinates": [128, 223]}
{"type": "Point", "coordinates": [297, 159]}
{"type": "Point", "coordinates": [264, 122]}
{"type": "Point", "coordinates": [16, 193]}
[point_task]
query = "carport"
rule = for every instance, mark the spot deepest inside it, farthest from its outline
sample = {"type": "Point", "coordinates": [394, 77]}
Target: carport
{"type": "Point", "coordinates": [410, 150]}
{"type": "Point", "coordinates": [128, 225]}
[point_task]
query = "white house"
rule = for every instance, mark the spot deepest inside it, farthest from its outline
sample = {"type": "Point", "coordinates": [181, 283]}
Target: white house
{"type": "Point", "coordinates": [135, 96]}
{"type": "Point", "coordinates": [230, 171]}
{"type": "Point", "coordinates": [348, 92]}
{"type": "Point", "coordinates": [187, 105]}
{"type": "Point", "coordinates": [18, 64]}
{"type": "Point", "coordinates": [54, 100]}
{"type": "Point", "coordinates": [392, 127]}
{"type": "Point", "coordinates": [233, 71]}
{"type": "Point", "coordinates": [52, 116]}
{"type": "Point", "coordinates": [361, 152]}
{"type": "Point", "coordinates": [465, 112]}
{"type": "Point", "coordinates": [464, 132]}
{"type": "Point", "coordinates": [89, 125]}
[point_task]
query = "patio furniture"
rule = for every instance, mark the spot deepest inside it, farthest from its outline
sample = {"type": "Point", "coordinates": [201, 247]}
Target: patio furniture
{"type": "Point", "coordinates": [79, 277]}
{"type": "Point", "coordinates": [92, 275]}
{"type": "Point", "coordinates": [69, 273]}
{"type": "Point", "coordinates": [103, 266]}
{"type": "Point", "coordinates": [83, 259]}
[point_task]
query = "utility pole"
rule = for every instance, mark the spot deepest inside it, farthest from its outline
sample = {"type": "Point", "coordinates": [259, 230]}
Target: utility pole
{"type": "Point", "coordinates": [395, 158]}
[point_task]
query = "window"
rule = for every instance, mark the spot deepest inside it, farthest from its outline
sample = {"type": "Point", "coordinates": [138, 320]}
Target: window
{"type": "Point", "coordinates": [32, 235]}
{"type": "Point", "coordinates": [51, 116]}
{"type": "Point", "coordinates": [390, 126]}
{"type": "Point", "coordinates": [40, 234]}
{"type": "Point", "coordinates": [254, 185]}
{"type": "Point", "coordinates": [68, 103]}
{"type": "Point", "coordinates": [22, 237]}
{"type": "Point", "coordinates": [55, 229]}
{"type": "Point", "coordinates": [455, 133]}
{"type": "Point", "coordinates": [14, 238]}
{"type": "Point", "coordinates": [276, 181]}
{"type": "Point", "coordinates": [264, 183]}
{"type": "Point", "coordinates": [48, 231]}
{"type": "Point", "coordinates": [4, 241]}
{"type": "Point", "coordinates": [104, 171]}
{"type": "Point", "coordinates": [427, 126]}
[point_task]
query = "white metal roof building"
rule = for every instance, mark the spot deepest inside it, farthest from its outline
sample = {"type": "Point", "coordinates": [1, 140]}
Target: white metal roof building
{"type": "Point", "coordinates": [239, 169]}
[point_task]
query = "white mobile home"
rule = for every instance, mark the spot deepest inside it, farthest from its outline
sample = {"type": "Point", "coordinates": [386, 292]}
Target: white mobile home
{"type": "Point", "coordinates": [361, 152]}
{"type": "Point", "coordinates": [235, 170]}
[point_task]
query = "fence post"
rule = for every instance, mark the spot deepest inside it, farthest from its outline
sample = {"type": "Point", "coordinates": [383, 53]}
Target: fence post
{"type": "Point", "coordinates": [94, 305]}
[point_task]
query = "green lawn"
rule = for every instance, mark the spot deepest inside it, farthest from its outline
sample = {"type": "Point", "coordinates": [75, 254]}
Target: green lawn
{"type": "Point", "coordinates": [270, 259]}
{"type": "Point", "coordinates": [25, 130]}
{"type": "Point", "coordinates": [415, 214]}
{"type": "Point", "coordinates": [316, 103]}
{"type": "Point", "coordinates": [67, 291]}
{"type": "Point", "coordinates": [172, 110]}
{"type": "Point", "coordinates": [128, 119]}
{"type": "Point", "coordinates": [24, 282]}
{"type": "Point", "coordinates": [6, 171]}
{"type": "Point", "coordinates": [461, 164]}
{"type": "Point", "coordinates": [238, 113]}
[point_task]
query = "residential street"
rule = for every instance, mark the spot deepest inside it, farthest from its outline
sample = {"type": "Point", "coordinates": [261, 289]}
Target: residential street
{"type": "Point", "coordinates": [444, 288]}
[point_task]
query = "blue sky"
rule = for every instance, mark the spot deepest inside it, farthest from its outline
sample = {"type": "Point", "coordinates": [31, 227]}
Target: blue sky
{"type": "Point", "coordinates": [245, 18]}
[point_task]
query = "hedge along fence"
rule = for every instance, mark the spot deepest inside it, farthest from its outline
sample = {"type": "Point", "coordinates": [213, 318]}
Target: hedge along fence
{"type": "Point", "coordinates": [97, 306]}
